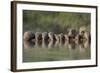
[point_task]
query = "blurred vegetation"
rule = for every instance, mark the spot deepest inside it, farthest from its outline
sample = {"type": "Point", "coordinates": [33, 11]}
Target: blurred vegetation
{"type": "Point", "coordinates": [57, 22]}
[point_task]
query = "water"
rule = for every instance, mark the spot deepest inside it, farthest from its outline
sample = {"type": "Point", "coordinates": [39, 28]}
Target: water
{"type": "Point", "coordinates": [33, 52]}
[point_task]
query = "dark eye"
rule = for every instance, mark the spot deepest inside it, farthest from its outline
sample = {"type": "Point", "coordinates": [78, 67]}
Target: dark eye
{"type": "Point", "coordinates": [83, 32]}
